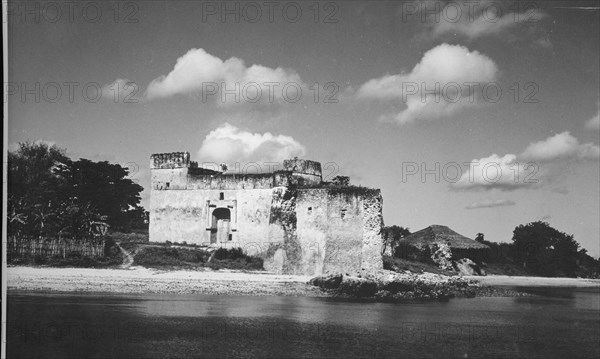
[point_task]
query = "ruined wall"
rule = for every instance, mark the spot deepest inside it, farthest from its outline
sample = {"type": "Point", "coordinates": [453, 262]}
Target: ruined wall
{"type": "Point", "coordinates": [308, 171]}
{"type": "Point", "coordinates": [238, 181]}
{"type": "Point", "coordinates": [295, 230]}
{"type": "Point", "coordinates": [180, 212]}
{"type": "Point", "coordinates": [339, 231]}
{"type": "Point", "coordinates": [283, 246]}
{"type": "Point", "coordinates": [170, 160]}
{"type": "Point", "coordinates": [181, 215]}
{"type": "Point", "coordinates": [372, 206]}
{"type": "Point", "coordinates": [169, 178]}
{"type": "Point", "coordinates": [190, 179]}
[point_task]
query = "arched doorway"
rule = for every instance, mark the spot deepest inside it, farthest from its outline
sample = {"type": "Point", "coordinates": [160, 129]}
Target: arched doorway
{"type": "Point", "coordinates": [220, 225]}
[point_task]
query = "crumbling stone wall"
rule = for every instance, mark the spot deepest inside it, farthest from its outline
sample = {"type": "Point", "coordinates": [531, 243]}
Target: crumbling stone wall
{"type": "Point", "coordinates": [309, 172]}
{"type": "Point", "coordinates": [181, 216]}
{"type": "Point", "coordinates": [295, 229]}
{"type": "Point", "coordinates": [339, 231]}
{"type": "Point", "coordinates": [372, 231]}
{"type": "Point", "coordinates": [283, 215]}
{"type": "Point", "coordinates": [170, 160]}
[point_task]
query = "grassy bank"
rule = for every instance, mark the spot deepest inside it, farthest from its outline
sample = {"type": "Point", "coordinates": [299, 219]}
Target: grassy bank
{"type": "Point", "coordinates": [402, 264]}
{"type": "Point", "coordinates": [183, 256]}
{"type": "Point", "coordinates": [167, 257]}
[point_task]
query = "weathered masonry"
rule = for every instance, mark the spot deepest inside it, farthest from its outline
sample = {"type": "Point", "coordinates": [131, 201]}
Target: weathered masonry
{"type": "Point", "coordinates": [292, 219]}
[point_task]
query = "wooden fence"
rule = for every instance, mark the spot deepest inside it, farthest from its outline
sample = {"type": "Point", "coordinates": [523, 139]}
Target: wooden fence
{"type": "Point", "coordinates": [53, 247]}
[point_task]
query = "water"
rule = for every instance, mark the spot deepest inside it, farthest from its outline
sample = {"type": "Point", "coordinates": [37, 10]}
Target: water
{"type": "Point", "coordinates": [558, 324]}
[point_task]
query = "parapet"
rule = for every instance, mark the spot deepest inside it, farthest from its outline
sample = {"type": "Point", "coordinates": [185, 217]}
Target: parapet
{"type": "Point", "coordinates": [307, 167]}
{"type": "Point", "coordinates": [172, 160]}
{"type": "Point", "coordinates": [310, 171]}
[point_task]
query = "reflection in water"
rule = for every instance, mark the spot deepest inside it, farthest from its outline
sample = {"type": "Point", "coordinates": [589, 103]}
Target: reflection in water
{"type": "Point", "coordinates": [156, 326]}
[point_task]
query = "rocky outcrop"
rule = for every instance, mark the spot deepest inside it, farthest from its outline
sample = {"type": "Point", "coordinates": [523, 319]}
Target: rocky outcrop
{"type": "Point", "coordinates": [386, 285]}
{"type": "Point", "coordinates": [465, 266]}
{"type": "Point", "coordinates": [327, 281]}
{"type": "Point", "coordinates": [442, 256]}
{"type": "Point", "coordinates": [358, 287]}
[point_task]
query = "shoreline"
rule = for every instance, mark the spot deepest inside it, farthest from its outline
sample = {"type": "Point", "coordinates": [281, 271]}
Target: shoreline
{"type": "Point", "coordinates": [145, 280]}
{"type": "Point", "coordinates": [537, 282]}
{"type": "Point", "coordinates": [140, 280]}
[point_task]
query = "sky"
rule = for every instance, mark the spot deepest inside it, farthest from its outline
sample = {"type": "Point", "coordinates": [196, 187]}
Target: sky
{"type": "Point", "coordinates": [479, 116]}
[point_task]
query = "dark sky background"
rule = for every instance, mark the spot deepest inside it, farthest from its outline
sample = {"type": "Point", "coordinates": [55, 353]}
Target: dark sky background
{"type": "Point", "coordinates": [549, 52]}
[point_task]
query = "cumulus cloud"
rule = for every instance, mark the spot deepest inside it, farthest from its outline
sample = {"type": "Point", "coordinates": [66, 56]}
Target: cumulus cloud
{"type": "Point", "coordinates": [448, 78]}
{"type": "Point", "coordinates": [229, 144]}
{"type": "Point", "coordinates": [540, 163]}
{"type": "Point", "coordinates": [490, 203]}
{"type": "Point", "coordinates": [121, 91]}
{"type": "Point", "coordinates": [593, 123]}
{"type": "Point", "coordinates": [562, 146]}
{"type": "Point", "coordinates": [495, 172]}
{"type": "Point", "coordinates": [200, 73]}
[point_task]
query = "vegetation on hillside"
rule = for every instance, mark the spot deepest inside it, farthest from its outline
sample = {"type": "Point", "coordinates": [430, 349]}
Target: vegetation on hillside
{"type": "Point", "coordinates": [392, 235]}
{"type": "Point", "coordinates": [402, 265]}
{"type": "Point", "coordinates": [536, 249]}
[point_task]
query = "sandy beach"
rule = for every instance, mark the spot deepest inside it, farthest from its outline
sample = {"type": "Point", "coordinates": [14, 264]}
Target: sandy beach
{"type": "Point", "coordinates": [144, 280]}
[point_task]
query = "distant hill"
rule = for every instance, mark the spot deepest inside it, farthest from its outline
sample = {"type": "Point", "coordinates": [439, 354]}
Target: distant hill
{"type": "Point", "coordinates": [437, 234]}
{"type": "Point", "coordinates": [420, 245]}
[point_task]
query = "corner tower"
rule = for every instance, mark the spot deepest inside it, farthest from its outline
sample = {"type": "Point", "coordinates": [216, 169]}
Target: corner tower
{"type": "Point", "coordinates": [308, 171]}
{"type": "Point", "coordinates": [170, 170]}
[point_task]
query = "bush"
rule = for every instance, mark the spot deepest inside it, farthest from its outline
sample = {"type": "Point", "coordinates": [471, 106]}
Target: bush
{"type": "Point", "coordinates": [233, 253]}
{"type": "Point", "coordinates": [234, 258]}
{"type": "Point", "coordinates": [249, 263]}
{"type": "Point", "coordinates": [170, 257]}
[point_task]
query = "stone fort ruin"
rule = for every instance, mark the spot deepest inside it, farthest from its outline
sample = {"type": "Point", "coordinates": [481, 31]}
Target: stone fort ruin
{"type": "Point", "coordinates": [292, 219]}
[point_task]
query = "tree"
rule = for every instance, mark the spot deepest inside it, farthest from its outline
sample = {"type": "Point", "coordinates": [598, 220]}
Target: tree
{"type": "Point", "coordinates": [106, 187]}
{"type": "Point", "coordinates": [34, 190]}
{"type": "Point", "coordinates": [545, 250]}
{"type": "Point", "coordinates": [391, 236]}
{"type": "Point", "coordinates": [50, 195]}
{"type": "Point", "coordinates": [480, 237]}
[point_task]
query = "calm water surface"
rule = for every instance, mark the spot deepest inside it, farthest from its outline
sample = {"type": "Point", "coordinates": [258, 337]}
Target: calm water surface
{"type": "Point", "coordinates": [557, 324]}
